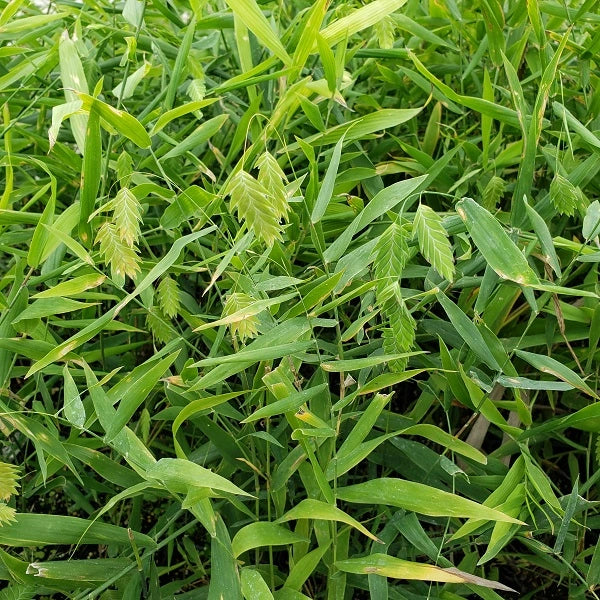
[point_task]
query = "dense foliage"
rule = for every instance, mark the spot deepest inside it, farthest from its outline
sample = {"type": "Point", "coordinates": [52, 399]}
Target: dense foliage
{"type": "Point", "coordinates": [299, 299]}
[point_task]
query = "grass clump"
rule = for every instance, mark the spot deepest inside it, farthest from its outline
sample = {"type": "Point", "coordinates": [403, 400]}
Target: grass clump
{"type": "Point", "coordinates": [299, 299]}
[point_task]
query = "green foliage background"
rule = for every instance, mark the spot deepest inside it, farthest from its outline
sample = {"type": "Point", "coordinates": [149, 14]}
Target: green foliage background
{"type": "Point", "coordinates": [299, 299]}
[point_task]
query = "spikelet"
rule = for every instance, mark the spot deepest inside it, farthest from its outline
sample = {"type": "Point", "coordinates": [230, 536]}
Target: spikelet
{"type": "Point", "coordinates": [127, 215]}
{"type": "Point", "coordinates": [168, 297]}
{"type": "Point", "coordinates": [157, 322]}
{"type": "Point", "coordinates": [246, 327]}
{"type": "Point", "coordinates": [255, 207]}
{"type": "Point", "coordinates": [385, 30]}
{"type": "Point", "coordinates": [18, 591]}
{"type": "Point", "coordinates": [122, 258]}
{"type": "Point", "coordinates": [9, 476]}
{"type": "Point", "coordinates": [564, 195]}
{"type": "Point", "coordinates": [433, 241]}
{"type": "Point", "coordinates": [7, 514]}
{"type": "Point", "coordinates": [391, 253]}
{"type": "Point", "coordinates": [144, 425]}
{"type": "Point", "coordinates": [273, 179]}
{"type": "Point", "coordinates": [124, 168]}
{"type": "Point", "coordinates": [492, 193]}
{"type": "Point", "coordinates": [399, 336]}
{"type": "Point", "coordinates": [196, 90]}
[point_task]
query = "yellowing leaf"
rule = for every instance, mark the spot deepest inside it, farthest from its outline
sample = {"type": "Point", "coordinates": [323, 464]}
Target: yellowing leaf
{"type": "Point", "coordinates": [389, 566]}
